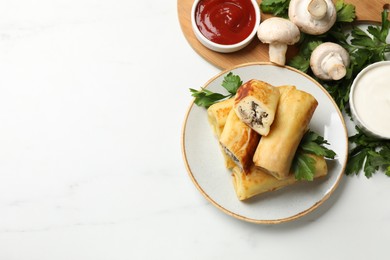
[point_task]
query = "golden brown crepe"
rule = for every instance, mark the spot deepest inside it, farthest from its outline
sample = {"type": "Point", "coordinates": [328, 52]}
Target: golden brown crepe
{"type": "Point", "coordinates": [239, 141]}
{"type": "Point", "coordinates": [257, 181]}
{"type": "Point", "coordinates": [255, 104]}
{"type": "Point", "coordinates": [217, 115]}
{"type": "Point", "coordinates": [275, 151]}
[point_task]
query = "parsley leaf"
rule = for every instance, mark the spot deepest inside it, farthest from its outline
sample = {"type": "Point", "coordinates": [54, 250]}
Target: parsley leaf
{"type": "Point", "coordinates": [356, 162]}
{"type": "Point", "coordinates": [368, 154]}
{"type": "Point", "coordinates": [302, 60]}
{"type": "Point", "coordinates": [303, 166]}
{"type": "Point", "coordinates": [373, 161]}
{"type": "Point", "coordinates": [205, 98]}
{"type": "Point", "coordinates": [275, 7]}
{"type": "Point", "coordinates": [314, 143]}
{"type": "Point", "coordinates": [231, 83]}
{"type": "Point", "coordinates": [374, 40]}
{"type": "Point", "coordinates": [345, 12]}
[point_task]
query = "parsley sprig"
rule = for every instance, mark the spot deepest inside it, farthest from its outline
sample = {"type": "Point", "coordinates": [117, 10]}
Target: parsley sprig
{"type": "Point", "coordinates": [276, 7]}
{"type": "Point", "coordinates": [303, 165]}
{"type": "Point", "coordinates": [369, 153]}
{"type": "Point", "coordinates": [346, 13]}
{"type": "Point", "coordinates": [205, 98]}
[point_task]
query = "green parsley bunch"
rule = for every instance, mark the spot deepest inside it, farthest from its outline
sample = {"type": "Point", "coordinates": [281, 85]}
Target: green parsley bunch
{"type": "Point", "coordinates": [365, 47]}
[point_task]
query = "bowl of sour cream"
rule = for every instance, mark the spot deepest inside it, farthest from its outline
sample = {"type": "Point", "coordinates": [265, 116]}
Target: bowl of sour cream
{"type": "Point", "coordinates": [369, 99]}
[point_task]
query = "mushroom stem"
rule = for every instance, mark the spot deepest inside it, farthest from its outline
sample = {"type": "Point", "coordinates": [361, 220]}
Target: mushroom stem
{"type": "Point", "coordinates": [277, 53]}
{"type": "Point", "coordinates": [317, 9]}
{"type": "Point", "coordinates": [334, 66]}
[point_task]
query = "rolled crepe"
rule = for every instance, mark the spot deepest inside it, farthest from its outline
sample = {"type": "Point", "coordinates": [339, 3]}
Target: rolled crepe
{"type": "Point", "coordinates": [239, 141]}
{"type": "Point", "coordinates": [276, 151]}
{"type": "Point", "coordinates": [255, 104]}
{"type": "Point", "coordinates": [257, 181]}
{"type": "Point", "coordinates": [218, 113]}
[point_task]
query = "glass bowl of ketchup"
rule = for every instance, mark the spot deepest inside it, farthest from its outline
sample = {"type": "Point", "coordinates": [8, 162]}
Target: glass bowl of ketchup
{"type": "Point", "coordinates": [225, 25]}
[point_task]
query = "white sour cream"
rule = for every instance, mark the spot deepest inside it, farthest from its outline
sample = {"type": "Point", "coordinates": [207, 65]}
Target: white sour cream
{"type": "Point", "coordinates": [370, 98]}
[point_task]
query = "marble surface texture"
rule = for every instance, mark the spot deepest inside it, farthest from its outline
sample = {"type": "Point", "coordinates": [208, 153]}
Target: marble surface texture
{"type": "Point", "coordinates": [93, 94]}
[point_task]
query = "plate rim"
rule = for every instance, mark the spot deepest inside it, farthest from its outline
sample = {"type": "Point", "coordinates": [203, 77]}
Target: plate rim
{"type": "Point", "coordinates": [241, 217]}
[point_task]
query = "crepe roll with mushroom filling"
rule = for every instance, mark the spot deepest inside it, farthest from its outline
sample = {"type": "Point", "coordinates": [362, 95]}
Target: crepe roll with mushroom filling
{"type": "Point", "coordinates": [255, 104]}
{"type": "Point", "coordinates": [218, 113]}
{"type": "Point", "coordinates": [257, 181]}
{"type": "Point", "coordinates": [276, 151]}
{"type": "Point", "coordinates": [239, 141]}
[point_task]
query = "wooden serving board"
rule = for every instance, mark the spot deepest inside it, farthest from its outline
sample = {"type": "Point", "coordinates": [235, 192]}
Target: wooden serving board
{"type": "Point", "coordinates": [367, 11]}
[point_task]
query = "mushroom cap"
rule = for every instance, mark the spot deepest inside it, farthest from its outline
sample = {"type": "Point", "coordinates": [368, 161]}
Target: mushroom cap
{"type": "Point", "coordinates": [278, 30]}
{"type": "Point", "coordinates": [321, 52]}
{"type": "Point", "coordinates": [298, 14]}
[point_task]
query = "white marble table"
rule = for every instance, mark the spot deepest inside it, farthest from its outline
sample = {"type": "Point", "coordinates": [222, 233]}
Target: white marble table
{"type": "Point", "coordinates": [92, 100]}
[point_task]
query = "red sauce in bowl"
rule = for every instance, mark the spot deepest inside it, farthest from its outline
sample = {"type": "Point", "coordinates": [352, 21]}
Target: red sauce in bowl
{"type": "Point", "coordinates": [225, 21]}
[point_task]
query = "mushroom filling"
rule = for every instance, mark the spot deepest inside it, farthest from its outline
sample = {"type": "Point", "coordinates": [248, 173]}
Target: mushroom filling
{"type": "Point", "coordinates": [231, 155]}
{"type": "Point", "coordinates": [254, 115]}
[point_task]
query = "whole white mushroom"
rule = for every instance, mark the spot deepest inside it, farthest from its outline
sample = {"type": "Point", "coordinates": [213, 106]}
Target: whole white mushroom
{"type": "Point", "coordinates": [312, 16]}
{"type": "Point", "coordinates": [329, 61]}
{"type": "Point", "coordinates": [278, 33]}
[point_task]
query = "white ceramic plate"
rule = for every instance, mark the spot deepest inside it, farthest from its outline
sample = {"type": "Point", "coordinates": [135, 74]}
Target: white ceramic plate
{"type": "Point", "coordinates": [205, 162]}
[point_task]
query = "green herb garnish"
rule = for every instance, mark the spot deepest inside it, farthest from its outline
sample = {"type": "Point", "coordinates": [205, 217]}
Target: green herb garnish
{"type": "Point", "coordinates": [369, 153]}
{"type": "Point", "coordinates": [205, 98]}
{"type": "Point", "coordinates": [313, 143]}
{"type": "Point", "coordinates": [374, 40]}
{"type": "Point", "coordinates": [231, 83]}
{"type": "Point", "coordinates": [345, 12]}
{"type": "Point", "coordinates": [303, 166]}
{"type": "Point", "coordinates": [276, 7]}
{"type": "Point", "coordinates": [307, 45]}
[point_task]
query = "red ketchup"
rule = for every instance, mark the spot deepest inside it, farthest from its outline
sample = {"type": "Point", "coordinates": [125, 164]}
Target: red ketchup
{"type": "Point", "coordinates": [225, 21]}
